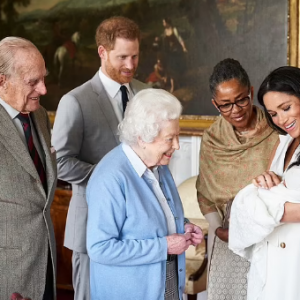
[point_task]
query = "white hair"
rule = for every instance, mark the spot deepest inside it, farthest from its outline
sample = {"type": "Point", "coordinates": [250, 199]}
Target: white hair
{"type": "Point", "coordinates": [145, 114]}
{"type": "Point", "coordinates": [9, 47]}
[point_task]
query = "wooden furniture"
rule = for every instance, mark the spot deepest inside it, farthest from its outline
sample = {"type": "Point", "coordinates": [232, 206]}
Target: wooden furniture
{"type": "Point", "coordinates": [59, 210]}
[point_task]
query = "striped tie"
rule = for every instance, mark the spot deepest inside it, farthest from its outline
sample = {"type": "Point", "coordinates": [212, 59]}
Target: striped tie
{"type": "Point", "coordinates": [24, 118]}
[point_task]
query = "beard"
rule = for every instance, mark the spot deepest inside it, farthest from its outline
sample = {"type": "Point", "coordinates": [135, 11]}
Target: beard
{"type": "Point", "coordinates": [116, 75]}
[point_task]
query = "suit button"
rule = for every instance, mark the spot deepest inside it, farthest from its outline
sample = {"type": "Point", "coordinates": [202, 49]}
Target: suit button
{"type": "Point", "coordinates": [282, 245]}
{"type": "Point", "coordinates": [180, 270]}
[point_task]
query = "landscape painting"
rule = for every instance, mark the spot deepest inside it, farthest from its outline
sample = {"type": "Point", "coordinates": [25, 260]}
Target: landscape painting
{"type": "Point", "coordinates": [181, 41]}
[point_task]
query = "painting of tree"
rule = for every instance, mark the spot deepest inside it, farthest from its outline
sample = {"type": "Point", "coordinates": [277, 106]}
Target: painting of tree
{"type": "Point", "coordinates": [9, 16]}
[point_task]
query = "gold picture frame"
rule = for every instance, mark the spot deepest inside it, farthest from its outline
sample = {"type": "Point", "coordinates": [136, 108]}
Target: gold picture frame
{"type": "Point", "coordinates": [293, 58]}
{"type": "Point", "coordinates": [195, 125]}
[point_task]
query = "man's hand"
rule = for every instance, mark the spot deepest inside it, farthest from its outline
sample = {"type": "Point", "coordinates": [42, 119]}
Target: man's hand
{"type": "Point", "coordinates": [222, 234]}
{"type": "Point", "coordinates": [196, 232]}
{"type": "Point", "coordinates": [178, 243]}
{"type": "Point", "coordinates": [17, 296]}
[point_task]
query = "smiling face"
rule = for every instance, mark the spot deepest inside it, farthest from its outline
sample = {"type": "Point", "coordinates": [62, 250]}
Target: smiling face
{"type": "Point", "coordinates": [160, 151]}
{"type": "Point", "coordinates": [121, 62]}
{"type": "Point", "coordinates": [231, 91]}
{"type": "Point", "coordinates": [23, 88]}
{"type": "Point", "coordinates": [284, 110]}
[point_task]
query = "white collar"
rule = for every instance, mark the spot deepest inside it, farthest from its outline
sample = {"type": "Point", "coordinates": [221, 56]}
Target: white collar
{"type": "Point", "coordinates": [134, 159]}
{"type": "Point", "coordinates": [10, 110]}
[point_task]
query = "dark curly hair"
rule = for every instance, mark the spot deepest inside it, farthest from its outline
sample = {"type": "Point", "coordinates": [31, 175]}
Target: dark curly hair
{"type": "Point", "coordinates": [226, 70]}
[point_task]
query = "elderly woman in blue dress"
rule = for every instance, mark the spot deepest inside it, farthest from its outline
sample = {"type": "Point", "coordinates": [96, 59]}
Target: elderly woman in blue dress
{"type": "Point", "coordinates": [136, 231]}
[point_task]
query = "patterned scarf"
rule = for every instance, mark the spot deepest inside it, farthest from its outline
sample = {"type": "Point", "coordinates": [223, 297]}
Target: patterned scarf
{"type": "Point", "coordinates": [228, 162]}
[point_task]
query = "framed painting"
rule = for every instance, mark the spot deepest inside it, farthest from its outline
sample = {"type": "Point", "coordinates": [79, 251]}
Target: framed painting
{"type": "Point", "coordinates": [182, 40]}
{"type": "Point", "coordinates": [264, 39]}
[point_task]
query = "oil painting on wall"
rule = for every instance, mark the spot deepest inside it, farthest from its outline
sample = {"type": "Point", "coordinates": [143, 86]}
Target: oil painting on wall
{"type": "Point", "coordinates": [181, 41]}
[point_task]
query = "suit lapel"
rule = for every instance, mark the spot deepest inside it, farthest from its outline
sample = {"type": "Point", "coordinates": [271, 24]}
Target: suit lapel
{"type": "Point", "coordinates": [133, 87]}
{"type": "Point", "coordinates": [38, 118]}
{"type": "Point", "coordinates": [11, 140]}
{"type": "Point", "coordinates": [105, 104]}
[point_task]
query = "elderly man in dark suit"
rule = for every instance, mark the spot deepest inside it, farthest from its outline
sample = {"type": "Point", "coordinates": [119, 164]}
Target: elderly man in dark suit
{"type": "Point", "coordinates": [27, 175]}
{"type": "Point", "coordinates": [85, 129]}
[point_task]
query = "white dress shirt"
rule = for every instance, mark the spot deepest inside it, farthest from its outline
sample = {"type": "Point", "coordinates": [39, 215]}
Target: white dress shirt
{"type": "Point", "coordinates": [153, 179]}
{"type": "Point", "coordinates": [115, 96]}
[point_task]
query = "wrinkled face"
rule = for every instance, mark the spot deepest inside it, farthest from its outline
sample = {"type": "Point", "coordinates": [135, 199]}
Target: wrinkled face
{"type": "Point", "coordinates": [120, 63]}
{"type": "Point", "coordinates": [23, 88]}
{"type": "Point", "coordinates": [284, 110]}
{"type": "Point", "coordinates": [230, 92]}
{"type": "Point", "coordinates": [160, 151]}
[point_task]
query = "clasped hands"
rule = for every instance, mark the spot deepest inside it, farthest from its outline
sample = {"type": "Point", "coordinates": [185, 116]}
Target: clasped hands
{"type": "Point", "coordinates": [179, 243]}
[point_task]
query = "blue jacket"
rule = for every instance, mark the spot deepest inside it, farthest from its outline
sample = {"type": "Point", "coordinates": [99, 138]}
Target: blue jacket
{"type": "Point", "coordinates": [126, 232]}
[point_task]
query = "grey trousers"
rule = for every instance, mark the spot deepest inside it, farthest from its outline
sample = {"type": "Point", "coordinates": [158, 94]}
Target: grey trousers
{"type": "Point", "coordinates": [81, 276]}
{"type": "Point", "coordinates": [171, 292]}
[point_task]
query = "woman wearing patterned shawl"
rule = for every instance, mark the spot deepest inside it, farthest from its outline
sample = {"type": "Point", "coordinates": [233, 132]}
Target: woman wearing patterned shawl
{"type": "Point", "coordinates": [235, 149]}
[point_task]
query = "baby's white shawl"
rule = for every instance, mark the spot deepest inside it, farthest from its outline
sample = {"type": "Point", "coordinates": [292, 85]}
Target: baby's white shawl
{"type": "Point", "coordinates": [255, 213]}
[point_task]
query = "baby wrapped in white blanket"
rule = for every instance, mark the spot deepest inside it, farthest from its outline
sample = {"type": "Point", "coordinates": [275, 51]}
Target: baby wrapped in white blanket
{"type": "Point", "coordinates": [255, 214]}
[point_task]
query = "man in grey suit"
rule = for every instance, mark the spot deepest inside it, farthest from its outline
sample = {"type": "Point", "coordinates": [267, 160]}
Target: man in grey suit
{"type": "Point", "coordinates": [27, 175]}
{"type": "Point", "coordinates": [85, 129]}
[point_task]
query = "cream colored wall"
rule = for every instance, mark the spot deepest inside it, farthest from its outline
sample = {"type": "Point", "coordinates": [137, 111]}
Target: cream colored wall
{"type": "Point", "coordinates": [185, 161]}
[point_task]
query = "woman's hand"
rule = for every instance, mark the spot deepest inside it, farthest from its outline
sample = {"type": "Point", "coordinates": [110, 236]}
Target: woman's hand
{"type": "Point", "coordinates": [266, 180]}
{"type": "Point", "coordinates": [178, 243]}
{"type": "Point", "coordinates": [222, 234]}
{"type": "Point", "coordinates": [196, 231]}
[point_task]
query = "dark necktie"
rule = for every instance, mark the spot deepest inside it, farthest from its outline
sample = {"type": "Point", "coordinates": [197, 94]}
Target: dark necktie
{"type": "Point", "coordinates": [124, 96]}
{"type": "Point", "coordinates": [24, 118]}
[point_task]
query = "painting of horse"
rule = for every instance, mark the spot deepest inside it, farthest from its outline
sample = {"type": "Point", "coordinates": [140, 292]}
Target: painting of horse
{"type": "Point", "coordinates": [64, 52]}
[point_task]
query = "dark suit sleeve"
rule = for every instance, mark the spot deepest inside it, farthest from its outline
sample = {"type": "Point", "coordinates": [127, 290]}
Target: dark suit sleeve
{"type": "Point", "coordinates": [67, 140]}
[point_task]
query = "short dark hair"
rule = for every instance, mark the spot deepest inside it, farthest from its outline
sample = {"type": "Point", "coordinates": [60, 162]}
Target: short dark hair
{"type": "Point", "coordinates": [116, 27]}
{"type": "Point", "coordinates": [284, 80]}
{"type": "Point", "coordinates": [226, 70]}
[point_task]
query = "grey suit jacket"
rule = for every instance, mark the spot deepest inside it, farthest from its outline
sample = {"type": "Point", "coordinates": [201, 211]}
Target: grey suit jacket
{"type": "Point", "coordinates": [85, 129]}
{"type": "Point", "coordinates": [26, 230]}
